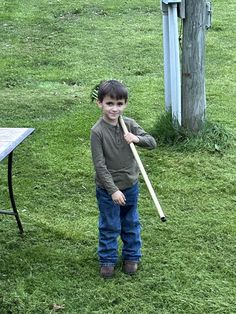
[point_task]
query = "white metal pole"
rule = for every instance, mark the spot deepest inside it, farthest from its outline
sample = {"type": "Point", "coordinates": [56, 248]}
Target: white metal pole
{"type": "Point", "coordinates": [174, 63]}
{"type": "Point", "coordinates": [144, 174]}
{"type": "Point", "coordinates": [166, 48]}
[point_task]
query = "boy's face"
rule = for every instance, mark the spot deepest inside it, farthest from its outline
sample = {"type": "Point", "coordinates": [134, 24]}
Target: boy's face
{"type": "Point", "coordinates": [112, 109]}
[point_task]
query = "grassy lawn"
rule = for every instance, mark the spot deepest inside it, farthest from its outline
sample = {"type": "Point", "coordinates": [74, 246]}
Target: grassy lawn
{"type": "Point", "coordinates": [51, 55]}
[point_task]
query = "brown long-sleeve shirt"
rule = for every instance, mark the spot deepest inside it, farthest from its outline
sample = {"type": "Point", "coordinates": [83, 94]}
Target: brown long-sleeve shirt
{"type": "Point", "coordinates": [115, 167]}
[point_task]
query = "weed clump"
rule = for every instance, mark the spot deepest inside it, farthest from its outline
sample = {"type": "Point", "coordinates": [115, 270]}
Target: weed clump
{"type": "Point", "coordinates": [213, 137]}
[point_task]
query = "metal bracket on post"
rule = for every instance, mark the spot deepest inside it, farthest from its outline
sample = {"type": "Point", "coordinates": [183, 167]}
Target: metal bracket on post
{"type": "Point", "coordinates": [171, 1]}
{"type": "Point", "coordinates": [208, 14]}
{"type": "Point", "coordinates": [181, 10]}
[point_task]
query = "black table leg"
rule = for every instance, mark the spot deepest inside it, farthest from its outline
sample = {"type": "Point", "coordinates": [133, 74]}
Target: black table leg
{"type": "Point", "coordinates": [10, 157]}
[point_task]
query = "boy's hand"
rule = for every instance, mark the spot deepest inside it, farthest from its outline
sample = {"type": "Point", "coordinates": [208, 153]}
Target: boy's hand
{"type": "Point", "coordinates": [131, 138]}
{"type": "Point", "coordinates": [118, 198]}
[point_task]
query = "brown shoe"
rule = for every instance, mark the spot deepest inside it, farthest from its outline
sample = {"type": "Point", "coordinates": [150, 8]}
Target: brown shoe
{"type": "Point", "coordinates": [107, 271]}
{"type": "Point", "coordinates": [130, 267]}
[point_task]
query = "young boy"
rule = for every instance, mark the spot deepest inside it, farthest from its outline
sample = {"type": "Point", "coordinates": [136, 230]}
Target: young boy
{"type": "Point", "coordinates": [117, 179]}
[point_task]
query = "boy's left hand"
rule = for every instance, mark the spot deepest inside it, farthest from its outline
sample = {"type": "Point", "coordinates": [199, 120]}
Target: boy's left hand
{"type": "Point", "coordinates": [131, 138]}
{"type": "Point", "coordinates": [118, 198]}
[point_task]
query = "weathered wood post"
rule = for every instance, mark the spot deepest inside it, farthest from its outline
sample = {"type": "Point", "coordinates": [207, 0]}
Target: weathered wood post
{"type": "Point", "coordinates": [193, 65]}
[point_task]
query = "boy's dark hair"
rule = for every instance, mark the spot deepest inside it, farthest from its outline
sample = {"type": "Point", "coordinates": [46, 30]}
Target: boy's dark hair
{"type": "Point", "coordinates": [112, 88]}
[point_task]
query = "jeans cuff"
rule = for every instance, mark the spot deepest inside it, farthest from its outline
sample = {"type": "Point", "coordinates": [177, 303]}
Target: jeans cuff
{"type": "Point", "coordinates": [107, 264]}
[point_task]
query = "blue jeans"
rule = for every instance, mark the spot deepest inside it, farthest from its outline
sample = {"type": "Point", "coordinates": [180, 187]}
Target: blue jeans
{"type": "Point", "coordinates": [115, 221]}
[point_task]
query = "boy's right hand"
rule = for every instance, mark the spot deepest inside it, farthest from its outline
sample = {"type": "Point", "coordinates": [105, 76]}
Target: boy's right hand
{"type": "Point", "coordinates": [118, 198]}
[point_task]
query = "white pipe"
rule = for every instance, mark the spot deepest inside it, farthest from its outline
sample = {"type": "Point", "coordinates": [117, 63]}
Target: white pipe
{"type": "Point", "coordinates": [166, 49]}
{"type": "Point", "coordinates": [174, 63]}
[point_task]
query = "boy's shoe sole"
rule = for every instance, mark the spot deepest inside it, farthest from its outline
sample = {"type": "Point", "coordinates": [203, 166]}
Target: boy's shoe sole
{"type": "Point", "coordinates": [130, 267]}
{"type": "Point", "coordinates": [107, 271]}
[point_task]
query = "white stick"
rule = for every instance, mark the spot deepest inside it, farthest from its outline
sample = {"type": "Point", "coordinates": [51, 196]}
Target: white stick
{"type": "Point", "coordinates": [144, 174]}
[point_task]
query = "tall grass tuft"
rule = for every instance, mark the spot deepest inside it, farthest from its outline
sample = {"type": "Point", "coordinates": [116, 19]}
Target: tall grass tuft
{"type": "Point", "coordinates": [214, 137]}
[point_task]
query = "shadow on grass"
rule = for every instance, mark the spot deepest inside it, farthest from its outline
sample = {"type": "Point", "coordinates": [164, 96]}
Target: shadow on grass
{"type": "Point", "coordinates": [47, 253]}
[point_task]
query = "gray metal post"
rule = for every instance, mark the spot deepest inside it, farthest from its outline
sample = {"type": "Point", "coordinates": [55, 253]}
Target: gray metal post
{"type": "Point", "coordinates": [166, 48]}
{"type": "Point", "coordinates": [174, 63]}
{"type": "Point", "coordinates": [171, 59]}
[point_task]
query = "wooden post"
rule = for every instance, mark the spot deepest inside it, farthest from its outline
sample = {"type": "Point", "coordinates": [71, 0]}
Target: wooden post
{"type": "Point", "coordinates": [193, 65]}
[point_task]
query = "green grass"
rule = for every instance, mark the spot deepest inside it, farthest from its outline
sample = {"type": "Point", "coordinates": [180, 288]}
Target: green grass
{"type": "Point", "coordinates": [52, 54]}
{"type": "Point", "coordinates": [213, 137]}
